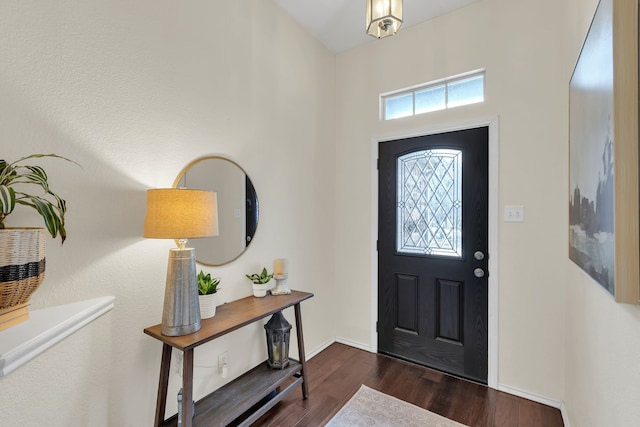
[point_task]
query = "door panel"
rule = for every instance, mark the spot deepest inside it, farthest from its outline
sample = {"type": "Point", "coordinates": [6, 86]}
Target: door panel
{"type": "Point", "coordinates": [433, 216]}
{"type": "Point", "coordinates": [449, 309]}
{"type": "Point", "coordinates": [408, 299]}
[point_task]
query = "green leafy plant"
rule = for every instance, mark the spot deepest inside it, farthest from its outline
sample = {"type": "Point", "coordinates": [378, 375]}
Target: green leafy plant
{"type": "Point", "coordinates": [206, 284]}
{"type": "Point", "coordinates": [16, 182]}
{"type": "Point", "coordinates": [261, 278]}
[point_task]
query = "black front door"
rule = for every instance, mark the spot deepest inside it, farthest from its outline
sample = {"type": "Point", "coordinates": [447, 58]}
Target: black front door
{"type": "Point", "coordinates": [432, 251]}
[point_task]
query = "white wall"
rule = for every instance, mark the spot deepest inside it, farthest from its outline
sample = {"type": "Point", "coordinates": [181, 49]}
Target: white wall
{"type": "Point", "coordinates": [603, 343]}
{"type": "Point", "coordinates": [527, 72]}
{"type": "Point", "coordinates": [561, 338]}
{"type": "Point", "coordinates": [134, 91]}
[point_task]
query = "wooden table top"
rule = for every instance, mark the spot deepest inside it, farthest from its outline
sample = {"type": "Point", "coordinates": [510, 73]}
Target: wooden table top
{"type": "Point", "coordinates": [229, 317]}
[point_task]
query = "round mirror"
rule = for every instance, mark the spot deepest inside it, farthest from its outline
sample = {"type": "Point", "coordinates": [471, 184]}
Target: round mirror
{"type": "Point", "coordinates": [237, 207]}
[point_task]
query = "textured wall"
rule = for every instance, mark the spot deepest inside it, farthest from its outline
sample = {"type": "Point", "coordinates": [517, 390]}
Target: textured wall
{"type": "Point", "coordinates": [603, 344]}
{"type": "Point", "coordinates": [134, 91]}
{"type": "Point", "coordinates": [560, 336]}
{"type": "Point", "coordinates": [527, 72]}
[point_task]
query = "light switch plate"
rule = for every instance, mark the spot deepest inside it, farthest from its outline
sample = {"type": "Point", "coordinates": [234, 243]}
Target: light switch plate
{"type": "Point", "coordinates": [514, 213]}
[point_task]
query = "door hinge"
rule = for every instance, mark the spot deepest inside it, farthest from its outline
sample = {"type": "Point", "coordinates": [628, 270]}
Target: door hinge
{"type": "Point", "coordinates": [378, 164]}
{"type": "Point", "coordinates": [377, 245]}
{"type": "Point", "coordinates": [377, 329]}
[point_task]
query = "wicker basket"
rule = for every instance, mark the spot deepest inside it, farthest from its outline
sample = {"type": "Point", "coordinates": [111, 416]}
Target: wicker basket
{"type": "Point", "coordinates": [22, 262]}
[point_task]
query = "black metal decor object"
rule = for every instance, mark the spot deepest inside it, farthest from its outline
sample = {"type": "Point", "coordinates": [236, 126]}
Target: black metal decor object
{"type": "Point", "coordinates": [278, 333]}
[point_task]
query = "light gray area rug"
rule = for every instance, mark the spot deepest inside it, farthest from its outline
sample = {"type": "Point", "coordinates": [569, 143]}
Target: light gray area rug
{"type": "Point", "coordinates": [371, 408]}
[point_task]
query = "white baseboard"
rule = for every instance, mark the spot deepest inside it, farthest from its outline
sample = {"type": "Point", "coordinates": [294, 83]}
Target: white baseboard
{"type": "Point", "coordinates": [318, 349]}
{"type": "Point", "coordinates": [355, 344]}
{"type": "Point", "coordinates": [538, 398]}
{"type": "Point", "coordinates": [340, 340]}
{"type": "Point", "coordinates": [530, 396]}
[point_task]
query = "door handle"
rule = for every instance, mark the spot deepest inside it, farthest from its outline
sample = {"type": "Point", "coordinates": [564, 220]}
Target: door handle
{"type": "Point", "coordinates": [478, 272]}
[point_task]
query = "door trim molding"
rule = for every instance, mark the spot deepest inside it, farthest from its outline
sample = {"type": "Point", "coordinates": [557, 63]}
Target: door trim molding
{"type": "Point", "coordinates": [494, 222]}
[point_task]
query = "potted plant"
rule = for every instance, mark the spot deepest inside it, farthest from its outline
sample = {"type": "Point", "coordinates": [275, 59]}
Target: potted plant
{"type": "Point", "coordinates": [207, 290]}
{"type": "Point", "coordinates": [22, 250]}
{"type": "Point", "coordinates": [260, 282]}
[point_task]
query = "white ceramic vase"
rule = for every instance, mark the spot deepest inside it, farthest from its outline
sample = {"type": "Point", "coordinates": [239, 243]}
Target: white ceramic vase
{"type": "Point", "coordinates": [207, 305]}
{"type": "Point", "coordinates": [259, 290]}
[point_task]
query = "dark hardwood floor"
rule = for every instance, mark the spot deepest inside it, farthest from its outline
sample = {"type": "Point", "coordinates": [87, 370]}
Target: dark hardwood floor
{"type": "Point", "coordinates": [336, 373]}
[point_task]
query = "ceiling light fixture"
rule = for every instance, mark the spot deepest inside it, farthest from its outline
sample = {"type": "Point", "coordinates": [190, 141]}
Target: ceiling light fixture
{"type": "Point", "coordinates": [384, 17]}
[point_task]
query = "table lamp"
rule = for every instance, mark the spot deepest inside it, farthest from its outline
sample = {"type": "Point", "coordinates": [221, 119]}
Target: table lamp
{"type": "Point", "coordinates": [181, 214]}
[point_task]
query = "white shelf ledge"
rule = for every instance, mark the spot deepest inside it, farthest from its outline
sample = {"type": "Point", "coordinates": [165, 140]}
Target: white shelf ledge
{"type": "Point", "coordinates": [45, 328]}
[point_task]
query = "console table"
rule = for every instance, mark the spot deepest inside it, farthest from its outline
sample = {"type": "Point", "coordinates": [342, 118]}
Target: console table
{"type": "Point", "coordinates": [235, 398]}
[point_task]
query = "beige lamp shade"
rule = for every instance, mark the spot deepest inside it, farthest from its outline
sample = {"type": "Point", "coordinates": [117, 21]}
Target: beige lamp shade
{"type": "Point", "coordinates": [180, 213]}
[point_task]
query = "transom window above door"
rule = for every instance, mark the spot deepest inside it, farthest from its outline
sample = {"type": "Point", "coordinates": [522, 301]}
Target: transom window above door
{"type": "Point", "coordinates": [437, 95]}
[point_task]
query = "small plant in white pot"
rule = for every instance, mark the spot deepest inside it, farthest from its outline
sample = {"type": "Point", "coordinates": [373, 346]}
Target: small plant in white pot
{"type": "Point", "coordinates": [22, 250]}
{"type": "Point", "coordinates": [207, 290]}
{"type": "Point", "coordinates": [260, 282]}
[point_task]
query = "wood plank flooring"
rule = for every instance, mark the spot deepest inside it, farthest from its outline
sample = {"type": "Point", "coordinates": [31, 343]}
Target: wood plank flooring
{"type": "Point", "coordinates": [337, 372]}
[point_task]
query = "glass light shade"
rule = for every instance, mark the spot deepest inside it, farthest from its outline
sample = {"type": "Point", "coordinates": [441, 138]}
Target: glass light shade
{"type": "Point", "coordinates": [384, 17]}
{"type": "Point", "coordinates": [180, 213]}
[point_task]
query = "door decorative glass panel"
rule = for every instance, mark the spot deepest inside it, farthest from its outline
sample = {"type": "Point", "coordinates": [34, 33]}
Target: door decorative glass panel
{"type": "Point", "coordinates": [429, 203]}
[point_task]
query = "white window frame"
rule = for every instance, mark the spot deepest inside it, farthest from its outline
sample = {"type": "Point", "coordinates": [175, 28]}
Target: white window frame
{"type": "Point", "coordinates": [432, 84]}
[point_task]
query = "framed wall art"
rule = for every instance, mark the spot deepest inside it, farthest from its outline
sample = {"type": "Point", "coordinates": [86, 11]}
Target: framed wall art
{"type": "Point", "coordinates": [604, 221]}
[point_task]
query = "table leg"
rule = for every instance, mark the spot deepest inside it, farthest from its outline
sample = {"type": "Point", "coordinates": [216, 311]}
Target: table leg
{"type": "Point", "coordinates": [165, 368]}
{"type": "Point", "coordinates": [187, 388]}
{"type": "Point", "coordinates": [301, 355]}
